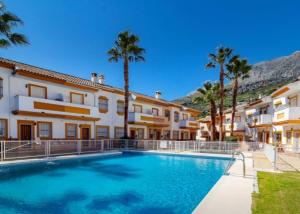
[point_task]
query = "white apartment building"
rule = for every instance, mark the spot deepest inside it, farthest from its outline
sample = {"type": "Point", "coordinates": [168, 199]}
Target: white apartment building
{"type": "Point", "coordinates": [286, 117]}
{"type": "Point", "coordinates": [37, 103]}
{"type": "Point", "coordinates": [239, 125]}
{"type": "Point", "coordinates": [259, 119]}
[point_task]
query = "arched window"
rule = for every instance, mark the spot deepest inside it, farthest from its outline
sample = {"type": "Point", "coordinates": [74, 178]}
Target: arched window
{"type": "Point", "coordinates": [1, 87]}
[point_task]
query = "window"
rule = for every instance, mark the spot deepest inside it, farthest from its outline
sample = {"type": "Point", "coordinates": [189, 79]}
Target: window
{"type": "Point", "coordinates": [293, 101]}
{"type": "Point", "coordinates": [3, 128]}
{"type": "Point", "coordinates": [102, 132]}
{"type": "Point", "coordinates": [37, 91]}
{"type": "Point", "coordinates": [175, 135]}
{"type": "Point", "coordinates": [176, 116]}
{"type": "Point", "coordinates": [140, 133]}
{"type": "Point", "coordinates": [185, 116]}
{"type": "Point", "coordinates": [44, 130]}
{"type": "Point", "coordinates": [71, 131]}
{"type": "Point", "coordinates": [76, 98]}
{"type": "Point", "coordinates": [103, 104]}
{"type": "Point", "coordinates": [137, 108]}
{"type": "Point", "coordinates": [237, 119]}
{"type": "Point", "coordinates": [184, 135]}
{"type": "Point", "coordinates": [154, 111]}
{"type": "Point", "coordinates": [263, 110]}
{"type": "Point", "coordinates": [1, 87]}
{"type": "Point", "coordinates": [289, 137]}
{"type": "Point", "coordinates": [167, 134]}
{"type": "Point", "coordinates": [119, 132]}
{"type": "Point", "coordinates": [167, 114]}
{"type": "Point", "coordinates": [120, 107]}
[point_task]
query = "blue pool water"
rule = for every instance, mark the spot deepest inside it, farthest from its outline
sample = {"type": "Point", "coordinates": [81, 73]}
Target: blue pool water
{"type": "Point", "coordinates": [127, 183]}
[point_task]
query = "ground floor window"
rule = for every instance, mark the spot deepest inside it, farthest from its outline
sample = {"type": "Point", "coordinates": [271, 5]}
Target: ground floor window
{"type": "Point", "coordinates": [289, 137]}
{"type": "Point", "coordinates": [175, 135]}
{"type": "Point", "coordinates": [167, 134]}
{"type": "Point", "coordinates": [3, 128]}
{"type": "Point", "coordinates": [102, 132]}
{"type": "Point", "coordinates": [44, 130]}
{"type": "Point", "coordinates": [184, 135]}
{"type": "Point", "coordinates": [277, 137]}
{"type": "Point", "coordinates": [71, 131]}
{"type": "Point", "coordinates": [119, 132]}
{"type": "Point", "coordinates": [140, 133]}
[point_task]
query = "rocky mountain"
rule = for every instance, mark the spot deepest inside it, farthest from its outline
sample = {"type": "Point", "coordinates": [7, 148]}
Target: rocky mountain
{"type": "Point", "coordinates": [273, 72]}
{"type": "Point", "coordinates": [265, 77]}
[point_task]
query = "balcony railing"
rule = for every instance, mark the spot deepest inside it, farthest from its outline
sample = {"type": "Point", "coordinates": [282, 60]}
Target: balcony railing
{"type": "Point", "coordinates": [40, 105]}
{"type": "Point", "coordinates": [236, 126]}
{"type": "Point", "coordinates": [260, 119]}
{"type": "Point", "coordinates": [286, 113]}
{"type": "Point", "coordinates": [189, 123]}
{"type": "Point", "coordinates": [147, 118]}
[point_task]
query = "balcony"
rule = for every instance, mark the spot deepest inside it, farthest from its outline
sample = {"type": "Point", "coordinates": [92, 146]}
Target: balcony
{"type": "Point", "coordinates": [261, 119]}
{"type": "Point", "coordinates": [285, 112]}
{"type": "Point", "coordinates": [188, 124]}
{"type": "Point", "coordinates": [39, 107]}
{"type": "Point", "coordinates": [237, 126]}
{"type": "Point", "coordinates": [147, 119]}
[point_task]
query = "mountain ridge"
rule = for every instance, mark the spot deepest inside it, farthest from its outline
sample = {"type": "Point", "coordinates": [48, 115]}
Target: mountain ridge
{"type": "Point", "coordinates": [264, 78]}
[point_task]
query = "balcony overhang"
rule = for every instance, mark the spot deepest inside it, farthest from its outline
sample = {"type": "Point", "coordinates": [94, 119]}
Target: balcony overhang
{"type": "Point", "coordinates": [51, 115]}
{"type": "Point", "coordinates": [148, 124]}
{"type": "Point", "coordinates": [287, 122]}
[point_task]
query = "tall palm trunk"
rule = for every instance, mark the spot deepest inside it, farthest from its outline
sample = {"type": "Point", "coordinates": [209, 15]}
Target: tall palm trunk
{"type": "Point", "coordinates": [221, 100]}
{"type": "Point", "coordinates": [234, 97]}
{"type": "Point", "coordinates": [126, 96]}
{"type": "Point", "coordinates": [213, 119]}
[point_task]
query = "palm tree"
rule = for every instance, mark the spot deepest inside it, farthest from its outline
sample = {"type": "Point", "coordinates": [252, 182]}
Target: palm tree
{"type": "Point", "coordinates": [236, 69]}
{"type": "Point", "coordinates": [126, 49]}
{"type": "Point", "coordinates": [220, 58]}
{"type": "Point", "coordinates": [7, 22]}
{"type": "Point", "coordinates": [210, 94]}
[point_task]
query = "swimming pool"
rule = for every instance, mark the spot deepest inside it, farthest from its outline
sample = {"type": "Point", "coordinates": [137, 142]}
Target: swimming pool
{"type": "Point", "coordinates": [126, 183]}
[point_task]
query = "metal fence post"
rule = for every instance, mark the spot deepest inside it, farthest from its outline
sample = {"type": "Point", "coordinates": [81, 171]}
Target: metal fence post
{"type": "Point", "coordinates": [78, 147]}
{"type": "Point", "coordinates": [2, 156]}
{"type": "Point", "coordinates": [275, 156]}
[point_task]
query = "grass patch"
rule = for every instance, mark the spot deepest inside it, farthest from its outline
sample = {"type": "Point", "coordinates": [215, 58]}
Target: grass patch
{"type": "Point", "coordinates": [278, 193]}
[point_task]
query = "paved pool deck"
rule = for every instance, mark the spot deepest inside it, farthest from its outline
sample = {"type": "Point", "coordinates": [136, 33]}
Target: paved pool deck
{"type": "Point", "coordinates": [232, 194]}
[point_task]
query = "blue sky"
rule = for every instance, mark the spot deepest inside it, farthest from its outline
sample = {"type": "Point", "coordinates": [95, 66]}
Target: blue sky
{"type": "Point", "coordinates": [73, 36]}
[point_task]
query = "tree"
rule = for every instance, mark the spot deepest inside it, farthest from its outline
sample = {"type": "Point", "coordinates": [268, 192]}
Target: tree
{"type": "Point", "coordinates": [126, 49]}
{"type": "Point", "coordinates": [210, 94]}
{"type": "Point", "coordinates": [220, 58]}
{"type": "Point", "coordinates": [8, 21]}
{"type": "Point", "coordinates": [236, 69]}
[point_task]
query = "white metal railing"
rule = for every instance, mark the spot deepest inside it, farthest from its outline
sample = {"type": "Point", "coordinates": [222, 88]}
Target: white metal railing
{"type": "Point", "coordinates": [11, 150]}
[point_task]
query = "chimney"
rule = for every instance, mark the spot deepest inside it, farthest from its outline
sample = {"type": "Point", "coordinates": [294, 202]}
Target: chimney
{"type": "Point", "coordinates": [157, 94]}
{"type": "Point", "coordinates": [93, 77]}
{"type": "Point", "coordinates": [101, 79]}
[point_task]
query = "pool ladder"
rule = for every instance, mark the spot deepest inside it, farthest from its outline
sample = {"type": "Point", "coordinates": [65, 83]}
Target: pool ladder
{"type": "Point", "coordinates": [243, 159]}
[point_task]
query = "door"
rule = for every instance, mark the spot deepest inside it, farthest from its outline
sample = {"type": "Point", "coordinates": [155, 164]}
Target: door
{"type": "Point", "coordinates": [85, 133]}
{"type": "Point", "coordinates": [25, 132]}
{"type": "Point", "coordinates": [158, 133]}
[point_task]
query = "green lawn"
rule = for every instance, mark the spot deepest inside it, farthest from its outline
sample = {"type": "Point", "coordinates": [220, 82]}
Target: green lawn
{"type": "Point", "coordinates": [278, 193]}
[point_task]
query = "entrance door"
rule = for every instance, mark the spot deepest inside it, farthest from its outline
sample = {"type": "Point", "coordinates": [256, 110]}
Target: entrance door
{"type": "Point", "coordinates": [85, 133]}
{"type": "Point", "coordinates": [158, 133]}
{"type": "Point", "coordinates": [25, 132]}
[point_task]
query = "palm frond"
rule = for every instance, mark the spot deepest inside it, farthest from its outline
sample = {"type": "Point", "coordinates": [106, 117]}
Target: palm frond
{"type": "Point", "coordinates": [18, 39]}
{"type": "Point", "coordinates": [4, 43]}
